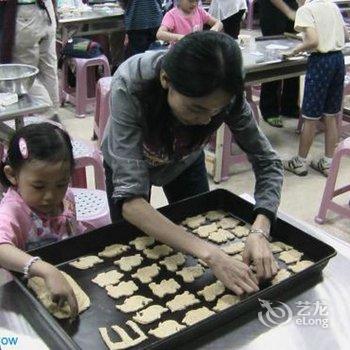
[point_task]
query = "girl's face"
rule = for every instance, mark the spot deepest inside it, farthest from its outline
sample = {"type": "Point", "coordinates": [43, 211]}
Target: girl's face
{"type": "Point", "coordinates": [195, 110]}
{"type": "Point", "coordinates": [188, 6]}
{"type": "Point", "coordinates": [42, 185]}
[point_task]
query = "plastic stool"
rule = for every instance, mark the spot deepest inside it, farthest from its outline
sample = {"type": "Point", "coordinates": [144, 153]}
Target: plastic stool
{"type": "Point", "coordinates": [92, 207]}
{"type": "Point", "coordinates": [86, 154]}
{"type": "Point", "coordinates": [330, 192]}
{"type": "Point", "coordinates": [345, 117]}
{"type": "Point", "coordinates": [79, 95]}
{"type": "Point", "coordinates": [227, 142]}
{"type": "Point", "coordinates": [103, 90]}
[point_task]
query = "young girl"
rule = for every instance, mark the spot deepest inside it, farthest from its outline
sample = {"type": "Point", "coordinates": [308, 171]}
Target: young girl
{"type": "Point", "coordinates": [37, 208]}
{"type": "Point", "coordinates": [187, 17]}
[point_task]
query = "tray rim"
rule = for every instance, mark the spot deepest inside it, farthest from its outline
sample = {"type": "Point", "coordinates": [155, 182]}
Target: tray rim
{"type": "Point", "coordinates": [218, 318]}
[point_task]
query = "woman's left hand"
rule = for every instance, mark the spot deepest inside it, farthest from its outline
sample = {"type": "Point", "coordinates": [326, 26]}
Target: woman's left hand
{"type": "Point", "coordinates": [258, 252]}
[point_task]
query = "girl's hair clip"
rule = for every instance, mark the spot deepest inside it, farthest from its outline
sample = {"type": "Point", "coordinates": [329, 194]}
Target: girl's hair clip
{"type": "Point", "coordinates": [23, 148]}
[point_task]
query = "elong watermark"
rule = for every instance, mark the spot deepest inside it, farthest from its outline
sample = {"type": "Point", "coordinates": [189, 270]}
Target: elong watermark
{"type": "Point", "coordinates": [308, 313]}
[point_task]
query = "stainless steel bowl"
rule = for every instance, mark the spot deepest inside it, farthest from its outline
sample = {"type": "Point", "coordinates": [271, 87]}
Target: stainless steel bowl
{"type": "Point", "coordinates": [17, 78]}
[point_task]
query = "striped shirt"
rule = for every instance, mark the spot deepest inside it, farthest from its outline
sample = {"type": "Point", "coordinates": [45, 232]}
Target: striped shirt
{"type": "Point", "coordinates": [143, 14]}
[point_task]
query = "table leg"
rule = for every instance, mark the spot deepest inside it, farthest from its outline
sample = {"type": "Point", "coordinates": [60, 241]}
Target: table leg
{"type": "Point", "coordinates": [19, 122]}
{"type": "Point", "coordinates": [5, 132]}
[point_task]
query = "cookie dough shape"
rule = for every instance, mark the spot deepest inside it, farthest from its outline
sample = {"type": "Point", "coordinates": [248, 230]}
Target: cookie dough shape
{"type": "Point", "coordinates": [166, 328]}
{"type": "Point", "coordinates": [194, 221]}
{"type": "Point", "coordinates": [275, 248]}
{"type": "Point", "coordinates": [197, 315]}
{"type": "Point", "coordinates": [150, 314]}
{"type": "Point", "coordinates": [214, 215]}
{"type": "Point", "coordinates": [281, 275]}
{"type": "Point", "coordinates": [146, 274]}
{"type": "Point", "coordinates": [143, 242]}
{"type": "Point", "coordinates": [190, 273]}
{"type": "Point", "coordinates": [239, 257]}
{"type": "Point", "coordinates": [226, 301]}
{"type": "Point", "coordinates": [182, 301]}
{"type": "Point", "coordinates": [211, 292]}
{"type": "Point", "coordinates": [206, 230]}
{"type": "Point", "coordinates": [173, 262]}
{"type": "Point", "coordinates": [241, 231]}
{"type": "Point", "coordinates": [158, 251]}
{"type": "Point", "coordinates": [227, 223]}
{"type": "Point", "coordinates": [126, 340]}
{"type": "Point", "coordinates": [127, 263]}
{"type": "Point", "coordinates": [86, 262]}
{"type": "Point", "coordinates": [123, 289]}
{"type": "Point", "coordinates": [113, 250]}
{"type": "Point", "coordinates": [104, 279]}
{"type": "Point", "coordinates": [290, 256]}
{"type": "Point", "coordinates": [165, 287]}
{"type": "Point", "coordinates": [37, 284]}
{"type": "Point", "coordinates": [282, 245]}
{"type": "Point", "coordinates": [134, 303]}
{"type": "Point", "coordinates": [221, 236]}
{"type": "Point", "coordinates": [233, 248]}
{"type": "Point", "coordinates": [300, 266]}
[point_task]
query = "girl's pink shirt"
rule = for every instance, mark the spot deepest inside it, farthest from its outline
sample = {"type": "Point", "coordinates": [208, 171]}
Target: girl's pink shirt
{"type": "Point", "coordinates": [26, 229]}
{"type": "Point", "coordinates": [179, 23]}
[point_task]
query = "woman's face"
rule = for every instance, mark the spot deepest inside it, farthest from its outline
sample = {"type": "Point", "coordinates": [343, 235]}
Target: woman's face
{"type": "Point", "coordinates": [195, 110]}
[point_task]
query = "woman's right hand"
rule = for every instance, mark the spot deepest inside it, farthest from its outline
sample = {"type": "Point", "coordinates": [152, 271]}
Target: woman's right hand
{"type": "Point", "coordinates": [233, 273]}
{"type": "Point", "coordinates": [61, 290]}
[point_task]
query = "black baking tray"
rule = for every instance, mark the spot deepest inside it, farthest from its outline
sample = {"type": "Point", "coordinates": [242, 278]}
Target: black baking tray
{"type": "Point", "coordinates": [84, 334]}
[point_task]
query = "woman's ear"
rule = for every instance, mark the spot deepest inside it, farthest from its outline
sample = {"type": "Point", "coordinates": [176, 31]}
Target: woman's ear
{"type": "Point", "coordinates": [164, 80]}
{"type": "Point", "coordinates": [10, 174]}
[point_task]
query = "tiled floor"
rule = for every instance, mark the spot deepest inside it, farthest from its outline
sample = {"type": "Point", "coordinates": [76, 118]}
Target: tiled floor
{"type": "Point", "coordinates": [300, 196]}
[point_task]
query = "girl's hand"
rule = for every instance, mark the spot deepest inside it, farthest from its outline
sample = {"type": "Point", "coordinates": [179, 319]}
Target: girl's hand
{"type": "Point", "coordinates": [257, 251]}
{"type": "Point", "coordinates": [234, 274]}
{"type": "Point", "coordinates": [61, 290]}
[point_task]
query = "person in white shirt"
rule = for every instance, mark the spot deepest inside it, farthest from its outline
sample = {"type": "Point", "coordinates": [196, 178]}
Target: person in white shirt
{"type": "Point", "coordinates": [324, 36]}
{"type": "Point", "coordinates": [230, 12]}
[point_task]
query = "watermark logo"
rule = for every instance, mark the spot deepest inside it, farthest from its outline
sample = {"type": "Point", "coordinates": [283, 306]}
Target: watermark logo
{"type": "Point", "coordinates": [307, 314]}
{"type": "Point", "coordinates": [274, 315]}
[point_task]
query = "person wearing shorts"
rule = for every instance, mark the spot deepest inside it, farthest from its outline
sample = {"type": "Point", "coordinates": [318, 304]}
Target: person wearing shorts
{"type": "Point", "coordinates": [324, 35]}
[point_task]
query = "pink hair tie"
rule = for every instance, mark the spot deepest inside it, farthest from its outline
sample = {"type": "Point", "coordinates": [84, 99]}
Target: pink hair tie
{"type": "Point", "coordinates": [23, 148]}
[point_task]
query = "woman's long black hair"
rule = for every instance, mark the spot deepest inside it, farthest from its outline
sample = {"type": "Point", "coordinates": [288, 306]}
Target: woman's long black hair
{"type": "Point", "coordinates": [196, 66]}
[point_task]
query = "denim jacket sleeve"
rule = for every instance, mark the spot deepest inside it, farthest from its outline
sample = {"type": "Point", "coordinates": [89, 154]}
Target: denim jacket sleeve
{"type": "Point", "coordinates": [122, 145]}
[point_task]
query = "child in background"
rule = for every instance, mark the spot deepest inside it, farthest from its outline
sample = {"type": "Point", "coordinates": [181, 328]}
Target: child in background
{"type": "Point", "coordinates": [142, 19]}
{"type": "Point", "coordinates": [38, 208]}
{"type": "Point", "coordinates": [324, 35]}
{"type": "Point", "coordinates": [230, 12]}
{"type": "Point", "coordinates": [187, 17]}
